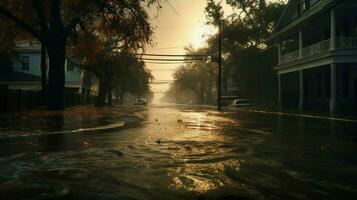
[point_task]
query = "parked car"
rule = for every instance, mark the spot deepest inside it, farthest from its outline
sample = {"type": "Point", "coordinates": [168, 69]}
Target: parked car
{"type": "Point", "coordinates": [194, 102]}
{"type": "Point", "coordinates": [227, 100]}
{"type": "Point", "coordinates": [141, 102]}
{"type": "Point", "coordinates": [242, 103]}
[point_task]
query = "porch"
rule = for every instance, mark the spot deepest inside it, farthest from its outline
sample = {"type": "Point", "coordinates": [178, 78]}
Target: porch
{"type": "Point", "coordinates": [327, 87]}
{"type": "Point", "coordinates": [332, 31]}
{"type": "Point", "coordinates": [320, 48]}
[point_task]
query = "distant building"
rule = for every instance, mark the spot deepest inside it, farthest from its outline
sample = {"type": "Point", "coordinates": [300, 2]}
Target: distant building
{"type": "Point", "coordinates": [317, 53]}
{"type": "Point", "coordinates": [26, 72]}
{"type": "Point", "coordinates": [235, 87]}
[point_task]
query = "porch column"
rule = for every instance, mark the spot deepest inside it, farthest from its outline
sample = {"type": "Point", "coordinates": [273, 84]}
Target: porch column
{"type": "Point", "coordinates": [333, 88]}
{"type": "Point", "coordinates": [279, 53]}
{"type": "Point", "coordinates": [301, 90]}
{"type": "Point", "coordinates": [300, 43]}
{"type": "Point", "coordinates": [333, 29]}
{"type": "Point", "coordinates": [279, 90]}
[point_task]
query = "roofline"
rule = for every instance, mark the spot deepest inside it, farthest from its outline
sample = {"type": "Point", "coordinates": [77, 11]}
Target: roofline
{"type": "Point", "coordinates": [26, 50]}
{"type": "Point", "coordinates": [20, 82]}
{"type": "Point", "coordinates": [68, 85]}
{"type": "Point", "coordinates": [282, 15]}
{"type": "Point", "coordinates": [301, 19]}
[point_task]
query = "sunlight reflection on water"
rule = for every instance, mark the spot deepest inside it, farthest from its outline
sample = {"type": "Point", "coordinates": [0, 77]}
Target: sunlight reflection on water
{"type": "Point", "coordinates": [202, 177]}
{"type": "Point", "coordinates": [186, 154]}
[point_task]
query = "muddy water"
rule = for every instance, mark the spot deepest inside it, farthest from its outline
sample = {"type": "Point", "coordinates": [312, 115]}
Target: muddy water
{"type": "Point", "coordinates": [185, 153]}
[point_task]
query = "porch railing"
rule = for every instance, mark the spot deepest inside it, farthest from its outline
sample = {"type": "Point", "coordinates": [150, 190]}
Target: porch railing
{"type": "Point", "coordinates": [346, 42]}
{"type": "Point", "coordinates": [289, 57]}
{"type": "Point", "coordinates": [315, 49]}
{"type": "Point", "coordinates": [319, 48]}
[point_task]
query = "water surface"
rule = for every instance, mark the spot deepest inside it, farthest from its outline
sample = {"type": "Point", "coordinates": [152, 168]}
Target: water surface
{"type": "Point", "coordinates": [183, 153]}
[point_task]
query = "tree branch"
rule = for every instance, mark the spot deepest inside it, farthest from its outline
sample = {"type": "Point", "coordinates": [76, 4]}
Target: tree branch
{"type": "Point", "coordinates": [40, 15]}
{"type": "Point", "coordinates": [72, 25]}
{"type": "Point", "coordinates": [21, 23]}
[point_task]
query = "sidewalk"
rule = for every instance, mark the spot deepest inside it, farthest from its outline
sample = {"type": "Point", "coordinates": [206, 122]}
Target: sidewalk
{"type": "Point", "coordinates": [297, 113]}
{"type": "Point", "coordinates": [73, 119]}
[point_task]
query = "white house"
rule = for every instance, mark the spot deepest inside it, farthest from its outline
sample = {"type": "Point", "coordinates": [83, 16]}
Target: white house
{"type": "Point", "coordinates": [317, 54]}
{"type": "Point", "coordinates": [27, 71]}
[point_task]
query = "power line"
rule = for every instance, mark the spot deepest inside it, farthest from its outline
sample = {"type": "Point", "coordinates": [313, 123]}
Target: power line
{"type": "Point", "coordinates": [171, 55]}
{"type": "Point", "coordinates": [168, 2]}
{"type": "Point", "coordinates": [165, 48]}
{"type": "Point", "coordinates": [162, 69]}
{"type": "Point", "coordinates": [159, 59]}
{"type": "Point", "coordinates": [168, 63]}
{"type": "Point", "coordinates": [250, 56]}
{"type": "Point", "coordinates": [163, 80]}
{"type": "Point", "coordinates": [177, 27]}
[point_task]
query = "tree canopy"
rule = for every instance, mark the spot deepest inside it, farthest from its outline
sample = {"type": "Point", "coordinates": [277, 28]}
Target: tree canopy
{"type": "Point", "coordinates": [248, 58]}
{"type": "Point", "coordinates": [55, 22]}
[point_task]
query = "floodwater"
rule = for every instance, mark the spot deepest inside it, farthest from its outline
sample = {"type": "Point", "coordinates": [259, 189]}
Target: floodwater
{"type": "Point", "coordinates": [184, 153]}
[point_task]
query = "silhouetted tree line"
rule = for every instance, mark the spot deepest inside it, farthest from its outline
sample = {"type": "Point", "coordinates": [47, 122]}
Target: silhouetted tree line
{"type": "Point", "coordinates": [247, 55]}
{"type": "Point", "coordinates": [58, 24]}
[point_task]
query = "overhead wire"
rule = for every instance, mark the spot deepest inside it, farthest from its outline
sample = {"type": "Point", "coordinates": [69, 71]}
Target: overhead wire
{"type": "Point", "coordinates": [171, 55]}
{"type": "Point", "coordinates": [168, 63]}
{"type": "Point", "coordinates": [168, 60]}
{"type": "Point", "coordinates": [165, 48]}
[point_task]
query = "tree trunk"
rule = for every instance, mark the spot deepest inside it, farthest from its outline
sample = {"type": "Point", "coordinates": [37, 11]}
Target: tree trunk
{"type": "Point", "coordinates": [201, 94]}
{"type": "Point", "coordinates": [56, 76]}
{"type": "Point", "coordinates": [225, 82]}
{"type": "Point", "coordinates": [122, 94]}
{"type": "Point", "coordinates": [110, 96]}
{"type": "Point", "coordinates": [209, 93]}
{"type": "Point", "coordinates": [103, 88]}
{"type": "Point", "coordinates": [43, 74]}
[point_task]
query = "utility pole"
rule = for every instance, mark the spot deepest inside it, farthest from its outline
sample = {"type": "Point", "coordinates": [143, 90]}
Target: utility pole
{"type": "Point", "coordinates": [177, 94]}
{"type": "Point", "coordinates": [219, 78]}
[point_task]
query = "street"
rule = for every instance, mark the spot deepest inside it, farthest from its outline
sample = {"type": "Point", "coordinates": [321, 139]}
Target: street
{"type": "Point", "coordinates": [183, 152]}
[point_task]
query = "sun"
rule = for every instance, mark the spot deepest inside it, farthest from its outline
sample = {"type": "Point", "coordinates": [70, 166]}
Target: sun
{"type": "Point", "coordinates": [202, 34]}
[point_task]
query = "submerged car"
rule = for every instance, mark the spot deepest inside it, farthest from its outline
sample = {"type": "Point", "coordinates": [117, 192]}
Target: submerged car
{"type": "Point", "coordinates": [141, 102]}
{"type": "Point", "coordinates": [242, 103]}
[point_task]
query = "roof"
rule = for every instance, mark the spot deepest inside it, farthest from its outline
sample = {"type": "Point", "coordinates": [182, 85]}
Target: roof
{"type": "Point", "coordinates": [19, 77]}
{"type": "Point", "coordinates": [288, 21]}
{"type": "Point", "coordinates": [28, 46]}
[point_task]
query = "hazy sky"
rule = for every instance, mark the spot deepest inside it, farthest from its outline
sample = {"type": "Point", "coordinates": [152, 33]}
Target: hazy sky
{"type": "Point", "coordinates": [177, 26]}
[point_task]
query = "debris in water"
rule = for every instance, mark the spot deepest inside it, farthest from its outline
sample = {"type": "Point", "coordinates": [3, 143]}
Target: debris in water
{"type": "Point", "coordinates": [116, 152]}
{"type": "Point", "coordinates": [188, 148]}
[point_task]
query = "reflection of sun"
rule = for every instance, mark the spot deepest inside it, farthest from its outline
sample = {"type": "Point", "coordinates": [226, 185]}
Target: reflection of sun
{"type": "Point", "coordinates": [202, 177]}
{"type": "Point", "coordinates": [202, 34]}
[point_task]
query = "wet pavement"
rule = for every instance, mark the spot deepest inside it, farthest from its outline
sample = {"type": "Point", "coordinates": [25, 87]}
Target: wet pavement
{"type": "Point", "coordinates": [169, 152]}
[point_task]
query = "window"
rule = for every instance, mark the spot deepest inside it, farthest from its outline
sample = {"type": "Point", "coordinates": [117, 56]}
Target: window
{"type": "Point", "coordinates": [70, 65]}
{"type": "Point", "coordinates": [305, 5]}
{"type": "Point", "coordinates": [25, 63]}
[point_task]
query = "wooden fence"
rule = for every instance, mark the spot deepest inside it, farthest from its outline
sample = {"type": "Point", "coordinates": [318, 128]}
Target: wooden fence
{"type": "Point", "coordinates": [19, 100]}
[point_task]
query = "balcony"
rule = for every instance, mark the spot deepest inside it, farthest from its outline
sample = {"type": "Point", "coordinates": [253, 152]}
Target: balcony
{"type": "Point", "coordinates": [289, 57]}
{"type": "Point", "coordinates": [319, 48]}
{"type": "Point", "coordinates": [316, 49]}
{"type": "Point", "coordinates": [346, 43]}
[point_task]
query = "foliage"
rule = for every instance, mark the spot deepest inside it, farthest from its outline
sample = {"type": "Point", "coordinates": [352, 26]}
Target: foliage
{"type": "Point", "coordinates": [117, 69]}
{"type": "Point", "coordinates": [55, 22]}
{"type": "Point", "coordinates": [247, 57]}
{"type": "Point", "coordinates": [197, 77]}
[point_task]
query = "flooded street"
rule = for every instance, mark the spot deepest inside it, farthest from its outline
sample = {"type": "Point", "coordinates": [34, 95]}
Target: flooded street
{"type": "Point", "coordinates": [183, 153]}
